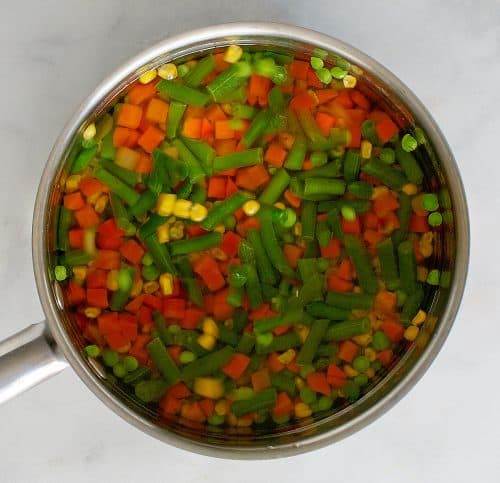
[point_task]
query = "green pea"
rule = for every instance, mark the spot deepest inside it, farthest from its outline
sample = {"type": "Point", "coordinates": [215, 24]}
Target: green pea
{"type": "Point", "coordinates": [435, 219]}
{"type": "Point", "coordinates": [351, 390]}
{"type": "Point", "coordinates": [409, 143]}
{"type": "Point", "coordinates": [130, 363]}
{"type": "Point", "coordinates": [325, 403]}
{"type": "Point", "coordinates": [264, 339]}
{"type": "Point", "coordinates": [430, 202]}
{"type": "Point", "coordinates": [387, 155]}
{"type": "Point", "coordinates": [215, 420]}
{"type": "Point", "coordinates": [289, 218]}
{"type": "Point", "coordinates": [338, 73]}
{"type": "Point", "coordinates": [348, 213]}
{"type": "Point", "coordinates": [307, 395]}
{"type": "Point", "coordinates": [147, 259]}
{"type": "Point", "coordinates": [324, 75]}
{"type": "Point", "coordinates": [119, 370]}
{"type": "Point", "coordinates": [380, 341]}
{"type": "Point", "coordinates": [376, 365]}
{"type": "Point", "coordinates": [361, 379]}
{"type": "Point", "coordinates": [316, 63]}
{"type": "Point", "coordinates": [401, 298]}
{"type": "Point", "coordinates": [433, 277]}
{"type": "Point", "coordinates": [109, 357]}
{"type": "Point", "coordinates": [150, 272]}
{"type": "Point", "coordinates": [182, 70]}
{"type": "Point", "coordinates": [281, 419]}
{"type": "Point", "coordinates": [186, 357]}
{"type": "Point", "coordinates": [305, 370]}
{"type": "Point", "coordinates": [361, 363]}
{"type": "Point", "coordinates": [60, 273]}
{"type": "Point", "coordinates": [92, 351]}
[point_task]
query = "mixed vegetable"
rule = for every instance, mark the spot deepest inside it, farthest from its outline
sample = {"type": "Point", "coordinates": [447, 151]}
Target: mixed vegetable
{"type": "Point", "coordinates": [245, 238]}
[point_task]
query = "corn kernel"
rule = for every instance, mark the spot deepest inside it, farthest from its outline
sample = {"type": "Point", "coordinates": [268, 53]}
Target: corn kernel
{"type": "Point", "coordinates": [302, 410]}
{"type": "Point", "coordinates": [349, 81]}
{"type": "Point", "coordinates": [92, 312]}
{"type": "Point", "coordinates": [366, 149]}
{"type": "Point", "coordinates": [280, 205]}
{"type": "Point", "coordinates": [136, 288]}
{"type": "Point", "coordinates": [302, 331]}
{"type": "Point", "coordinates": [209, 327]}
{"type": "Point", "coordinates": [299, 383]}
{"type": "Point", "coordinates": [370, 372]}
{"type": "Point", "coordinates": [232, 54]}
{"type": "Point", "coordinates": [172, 151]}
{"type": "Point", "coordinates": [356, 289]}
{"type": "Point", "coordinates": [359, 314]}
{"type": "Point", "coordinates": [167, 283]}
{"type": "Point", "coordinates": [410, 189]}
{"type": "Point", "coordinates": [165, 204]}
{"type": "Point", "coordinates": [176, 231]}
{"type": "Point", "coordinates": [411, 332]}
{"type": "Point", "coordinates": [371, 354]}
{"type": "Point", "coordinates": [220, 228]}
{"type": "Point", "coordinates": [163, 233]}
{"type": "Point", "coordinates": [219, 254]}
{"type": "Point", "coordinates": [416, 204]}
{"type": "Point", "coordinates": [100, 204]}
{"type": "Point", "coordinates": [244, 422]}
{"type": "Point", "coordinates": [251, 207]}
{"type": "Point", "coordinates": [210, 387]}
{"type": "Point", "coordinates": [221, 407]}
{"type": "Point", "coordinates": [92, 199]}
{"type": "Point", "coordinates": [425, 244]}
{"type": "Point", "coordinates": [89, 132]}
{"type": "Point", "coordinates": [112, 280]}
{"type": "Point", "coordinates": [229, 323]}
{"type": "Point", "coordinates": [379, 191]}
{"type": "Point", "coordinates": [231, 419]}
{"type": "Point", "coordinates": [297, 229]}
{"type": "Point", "coordinates": [72, 183]}
{"type": "Point", "coordinates": [227, 108]}
{"type": "Point", "coordinates": [124, 349]}
{"type": "Point", "coordinates": [422, 273]}
{"type": "Point", "coordinates": [287, 356]}
{"type": "Point", "coordinates": [363, 339]}
{"type": "Point", "coordinates": [80, 273]}
{"type": "Point", "coordinates": [206, 341]}
{"type": "Point", "coordinates": [419, 319]}
{"type": "Point", "coordinates": [350, 371]}
{"type": "Point", "coordinates": [150, 287]}
{"type": "Point", "coordinates": [148, 76]}
{"type": "Point", "coordinates": [198, 213]}
{"type": "Point", "coordinates": [168, 71]}
{"type": "Point", "coordinates": [182, 208]}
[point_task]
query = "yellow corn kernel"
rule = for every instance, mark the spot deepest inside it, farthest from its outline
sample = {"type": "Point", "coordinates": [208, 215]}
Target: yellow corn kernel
{"type": "Point", "coordinates": [299, 383]}
{"type": "Point", "coordinates": [124, 349]}
{"type": "Point", "coordinates": [371, 354]}
{"type": "Point", "coordinates": [72, 183]}
{"type": "Point", "coordinates": [411, 332]}
{"type": "Point", "coordinates": [92, 199]}
{"type": "Point", "coordinates": [280, 205]}
{"type": "Point", "coordinates": [229, 323]}
{"type": "Point", "coordinates": [297, 229]}
{"type": "Point", "coordinates": [302, 410]}
{"type": "Point", "coordinates": [167, 283]}
{"type": "Point", "coordinates": [165, 204]}
{"type": "Point", "coordinates": [210, 387]}
{"type": "Point", "coordinates": [221, 407]}
{"type": "Point", "coordinates": [366, 149]}
{"type": "Point", "coordinates": [350, 371]}
{"type": "Point", "coordinates": [359, 314]}
{"type": "Point", "coordinates": [150, 287]}
{"type": "Point", "coordinates": [148, 76]}
{"type": "Point", "coordinates": [112, 280]}
{"type": "Point", "coordinates": [379, 191]}
{"type": "Point", "coordinates": [136, 288]}
{"type": "Point", "coordinates": [416, 204]}
{"type": "Point", "coordinates": [363, 339]}
{"type": "Point", "coordinates": [198, 213]}
{"type": "Point", "coordinates": [287, 356]}
{"type": "Point", "coordinates": [218, 253]}
{"type": "Point", "coordinates": [425, 244]}
{"type": "Point", "coordinates": [171, 151]}
{"type": "Point", "coordinates": [227, 108]}
{"type": "Point", "coordinates": [206, 341]}
{"type": "Point", "coordinates": [182, 208]}
{"type": "Point", "coordinates": [92, 312]}
{"type": "Point", "coordinates": [233, 53]}
{"type": "Point", "coordinates": [100, 204]}
{"type": "Point", "coordinates": [244, 422]}
{"type": "Point", "coordinates": [209, 327]}
{"type": "Point", "coordinates": [231, 419]}
{"type": "Point", "coordinates": [349, 81]}
{"type": "Point", "coordinates": [356, 289]}
{"type": "Point", "coordinates": [419, 319]}
{"type": "Point", "coordinates": [89, 132]}
{"type": "Point", "coordinates": [80, 273]}
{"type": "Point", "coordinates": [410, 189]}
{"type": "Point", "coordinates": [302, 331]}
{"type": "Point", "coordinates": [176, 231]}
{"type": "Point", "coordinates": [370, 372]}
{"type": "Point", "coordinates": [163, 233]}
{"type": "Point", "coordinates": [422, 273]}
{"type": "Point", "coordinates": [251, 207]}
{"type": "Point", "coordinates": [168, 71]}
{"type": "Point", "coordinates": [220, 228]}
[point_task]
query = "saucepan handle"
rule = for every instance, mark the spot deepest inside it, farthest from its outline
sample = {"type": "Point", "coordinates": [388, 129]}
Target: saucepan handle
{"type": "Point", "coordinates": [26, 359]}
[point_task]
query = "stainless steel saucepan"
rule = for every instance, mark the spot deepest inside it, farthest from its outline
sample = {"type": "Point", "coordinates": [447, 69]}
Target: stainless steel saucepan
{"type": "Point", "coordinates": [45, 349]}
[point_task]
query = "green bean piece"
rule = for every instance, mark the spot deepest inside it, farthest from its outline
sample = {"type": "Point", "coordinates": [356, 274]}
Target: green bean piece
{"type": "Point", "coordinates": [361, 260]}
{"type": "Point", "coordinates": [329, 170]}
{"type": "Point", "coordinates": [240, 320]}
{"type": "Point", "coordinates": [243, 111]}
{"type": "Point", "coordinates": [319, 158]}
{"type": "Point", "coordinates": [404, 213]}
{"type": "Point", "coordinates": [246, 253]}
{"type": "Point", "coordinates": [409, 165]}
{"type": "Point", "coordinates": [158, 175]}
{"type": "Point", "coordinates": [175, 113]}
{"type": "Point", "coordinates": [312, 290]}
{"type": "Point", "coordinates": [258, 126]}
{"type": "Point", "coordinates": [203, 242]}
{"type": "Point", "coordinates": [241, 159]}
{"type": "Point", "coordinates": [323, 186]}
{"type": "Point", "coordinates": [152, 390]}
{"type": "Point", "coordinates": [126, 175]}
{"type": "Point", "coordinates": [245, 343]}
{"type": "Point", "coordinates": [64, 223]}
{"type": "Point", "coordinates": [308, 219]}
{"type": "Point", "coordinates": [125, 283]}
{"type": "Point", "coordinates": [284, 381]}
{"type": "Point", "coordinates": [73, 258]}
{"type": "Point", "coordinates": [199, 194]}
{"type": "Point", "coordinates": [222, 210]}
{"type": "Point", "coordinates": [195, 171]}
{"type": "Point", "coordinates": [275, 188]}
{"type": "Point", "coordinates": [369, 132]}
{"type": "Point", "coordinates": [281, 343]}
{"type": "Point", "coordinates": [407, 267]}
{"type": "Point", "coordinates": [297, 154]}
{"type": "Point", "coordinates": [334, 223]}
{"type": "Point", "coordinates": [349, 301]}
{"type": "Point", "coordinates": [412, 305]}
{"type": "Point", "coordinates": [236, 95]}
{"type": "Point", "coordinates": [352, 164]}
{"type": "Point", "coordinates": [83, 159]}
{"type": "Point", "coordinates": [359, 206]}
{"type": "Point", "coordinates": [208, 364]}
{"type": "Point", "coordinates": [308, 267]}
{"type": "Point", "coordinates": [161, 327]}
{"type": "Point", "coordinates": [267, 273]}
{"type": "Point", "coordinates": [276, 99]}
{"type": "Point", "coordinates": [160, 254]}
{"type": "Point", "coordinates": [182, 93]}
{"type": "Point", "coordinates": [311, 344]}
{"type": "Point", "coordinates": [388, 264]}
{"type": "Point", "coordinates": [235, 296]}
{"type": "Point", "coordinates": [144, 204]}
{"type": "Point", "coordinates": [140, 374]}
{"type": "Point", "coordinates": [262, 400]}
{"type": "Point", "coordinates": [323, 234]}
{"type": "Point", "coordinates": [228, 336]}
{"type": "Point", "coordinates": [204, 152]}
{"type": "Point", "coordinates": [347, 329]}
{"type": "Point", "coordinates": [189, 281]}
{"type": "Point", "coordinates": [360, 189]}
{"type": "Point", "coordinates": [385, 173]}
{"type": "Point", "coordinates": [326, 311]}
{"type": "Point", "coordinates": [149, 228]}
{"type": "Point", "coordinates": [289, 317]}
{"type": "Point", "coordinates": [108, 150]}
{"type": "Point", "coordinates": [163, 361]}
{"type": "Point", "coordinates": [121, 215]}
{"type": "Point", "coordinates": [200, 71]}
{"type": "Point", "coordinates": [327, 350]}
{"type": "Point", "coordinates": [115, 185]}
{"type": "Point", "coordinates": [229, 80]}
{"type": "Point", "coordinates": [184, 190]}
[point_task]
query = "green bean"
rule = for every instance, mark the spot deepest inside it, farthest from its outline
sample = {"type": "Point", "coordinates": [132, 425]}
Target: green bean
{"type": "Point", "coordinates": [184, 190]}
{"type": "Point", "coordinates": [323, 234]}
{"type": "Point", "coordinates": [267, 273]}
{"type": "Point", "coordinates": [409, 165]}
{"type": "Point", "coordinates": [138, 375]}
{"type": "Point", "coordinates": [262, 400]}
{"type": "Point", "coordinates": [203, 242]}
{"type": "Point", "coordinates": [311, 344]}
{"type": "Point", "coordinates": [225, 208]}
{"type": "Point", "coordinates": [149, 228]}
{"type": "Point", "coordinates": [182, 93]}
{"type": "Point", "coordinates": [334, 223]}
{"type": "Point", "coordinates": [388, 264]}
{"type": "Point", "coordinates": [163, 361]}
{"type": "Point", "coordinates": [361, 261]}
{"type": "Point", "coordinates": [189, 281]}
{"type": "Point", "coordinates": [361, 189]}
{"type": "Point", "coordinates": [283, 58]}
{"type": "Point", "coordinates": [318, 159]}
{"type": "Point", "coordinates": [297, 154]}
{"type": "Point", "coordinates": [158, 176]}
{"type": "Point", "coordinates": [308, 218]}
{"type": "Point", "coordinates": [267, 324]}
{"type": "Point", "coordinates": [189, 340]}
{"type": "Point", "coordinates": [312, 290]}
{"type": "Point", "coordinates": [308, 267]}
{"type": "Point", "coordinates": [404, 212]}
{"type": "Point", "coordinates": [144, 204]}
{"type": "Point", "coordinates": [352, 163]}
{"type": "Point", "coordinates": [369, 132]}
{"type": "Point", "coordinates": [412, 305]}
{"type": "Point", "coordinates": [125, 283]}
{"type": "Point", "coordinates": [126, 175]}
{"type": "Point", "coordinates": [121, 215]}
{"type": "Point", "coordinates": [151, 390]}
{"type": "Point", "coordinates": [240, 320]}
{"type": "Point", "coordinates": [170, 173]}
{"type": "Point", "coordinates": [73, 258]}
{"type": "Point", "coordinates": [204, 152]}
{"type": "Point", "coordinates": [407, 267]}
{"type": "Point", "coordinates": [64, 223]}
{"type": "Point", "coordinates": [245, 343]}
{"type": "Point", "coordinates": [323, 186]}
{"type": "Point", "coordinates": [385, 173]}
{"type": "Point", "coordinates": [175, 113]}
{"type": "Point", "coordinates": [284, 381]}
{"type": "Point", "coordinates": [327, 350]}
{"type": "Point", "coordinates": [235, 296]}
{"type": "Point", "coordinates": [329, 170]}
{"type": "Point", "coordinates": [259, 124]}
{"type": "Point", "coordinates": [200, 71]}
{"type": "Point", "coordinates": [199, 194]}
{"type": "Point", "coordinates": [349, 301]}
{"type": "Point", "coordinates": [195, 171]}
{"type": "Point", "coordinates": [326, 311]}
{"type": "Point", "coordinates": [243, 111]}
{"type": "Point", "coordinates": [83, 159]}
{"type": "Point", "coordinates": [127, 194]}
{"type": "Point", "coordinates": [275, 188]}
{"type": "Point", "coordinates": [347, 329]}
{"type": "Point", "coordinates": [276, 100]}
{"type": "Point", "coordinates": [281, 343]}
{"type": "Point", "coordinates": [236, 95]}
{"type": "Point", "coordinates": [241, 159]}
{"type": "Point", "coordinates": [228, 336]}
{"type": "Point", "coordinates": [159, 253]}
{"type": "Point", "coordinates": [246, 253]}
{"type": "Point", "coordinates": [208, 364]}
{"type": "Point", "coordinates": [229, 80]}
{"type": "Point", "coordinates": [359, 206]}
{"type": "Point", "coordinates": [161, 327]}
{"type": "Point", "coordinates": [310, 127]}
{"type": "Point", "coordinates": [108, 150]}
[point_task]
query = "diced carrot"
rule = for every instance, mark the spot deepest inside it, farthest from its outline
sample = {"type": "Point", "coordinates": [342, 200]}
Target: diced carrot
{"type": "Point", "coordinates": [393, 330]}
{"type": "Point", "coordinates": [303, 101]}
{"type": "Point", "coordinates": [108, 322]}
{"type": "Point", "coordinates": [228, 172]}
{"type": "Point", "coordinates": [385, 302]}
{"type": "Point", "coordinates": [117, 340]}
{"type": "Point", "coordinates": [145, 316]}
{"type": "Point", "coordinates": [312, 79]}
{"type": "Point", "coordinates": [170, 405]}
{"type": "Point", "coordinates": [191, 319]}
{"type": "Point", "coordinates": [230, 243]}
{"type": "Point", "coordinates": [355, 141]}
{"type": "Point", "coordinates": [372, 237]}
{"type": "Point", "coordinates": [236, 365]}
{"type": "Point", "coordinates": [385, 357]}
{"type": "Point", "coordinates": [385, 203]}
{"type": "Point", "coordinates": [231, 188]}
{"type": "Point", "coordinates": [325, 122]}
{"type": "Point", "coordinates": [369, 179]}
{"type": "Point", "coordinates": [243, 226]}
{"type": "Point", "coordinates": [292, 199]}
{"type": "Point", "coordinates": [273, 363]}
{"type": "Point", "coordinates": [386, 130]}
{"type": "Point", "coordinates": [275, 155]}
{"type": "Point", "coordinates": [90, 186]}
{"type": "Point", "coordinates": [224, 130]}
{"type": "Point", "coordinates": [97, 297]}
{"type": "Point", "coordinates": [74, 201]}
{"type": "Point", "coordinates": [96, 278]}
{"type": "Point", "coordinates": [261, 380]}
{"type": "Point", "coordinates": [390, 222]}
{"type": "Point", "coordinates": [318, 383]}
{"type": "Point", "coordinates": [75, 293]}
{"type": "Point", "coordinates": [253, 177]}
{"type": "Point", "coordinates": [86, 216]}
{"type": "Point", "coordinates": [326, 95]}
{"type": "Point", "coordinates": [151, 138]}
{"type": "Point", "coordinates": [192, 127]}
{"type": "Point", "coordinates": [221, 309]}
{"type": "Point", "coordinates": [299, 69]}
{"type": "Point", "coordinates": [75, 236]}
{"type": "Point", "coordinates": [224, 146]}
{"type": "Point", "coordinates": [220, 63]}
{"type": "Point", "coordinates": [293, 254]}
{"type": "Point", "coordinates": [283, 405]}
{"type": "Point", "coordinates": [282, 329]}
{"type": "Point", "coordinates": [109, 236]}
{"type": "Point", "coordinates": [338, 284]}
{"type": "Point", "coordinates": [217, 187]}
{"type": "Point", "coordinates": [206, 129]}
{"type": "Point", "coordinates": [258, 89]}
{"type": "Point", "coordinates": [418, 224]}
{"type": "Point", "coordinates": [128, 327]}
{"type": "Point", "coordinates": [215, 113]}
{"type": "Point", "coordinates": [370, 220]}
{"type": "Point", "coordinates": [360, 100]}
{"type": "Point", "coordinates": [179, 391]}
{"type": "Point", "coordinates": [129, 116]}
{"type": "Point", "coordinates": [348, 350]}
{"type": "Point", "coordinates": [135, 304]}
{"type": "Point", "coordinates": [157, 110]}
{"type": "Point", "coordinates": [207, 406]}
{"type": "Point", "coordinates": [145, 123]}
{"type": "Point", "coordinates": [332, 250]}
{"type": "Point", "coordinates": [141, 93]}
{"type": "Point", "coordinates": [345, 269]}
{"type": "Point", "coordinates": [174, 351]}
{"type": "Point", "coordinates": [121, 136]}
{"type": "Point", "coordinates": [208, 269]}
{"type": "Point", "coordinates": [193, 412]}
{"type": "Point", "coordinates": [108, 260]}
{"type": "Point", "coordinates": [335, 376]}
{"type": "Point", "coordinates": [344, 99]}
{"type": "Point", "coordinates": [153, 302]}
{"type": "Point", "coordinates": [195, 230]}
{"type": "Point", "coordinates": [261, 312]}
{"type": "Point", "coordinates": [351, 227]}
{"type": "Point", "coordinates": [132, 251]}
{"type": "Point", "coordinates": [174, 308]}
{"type": "Point", "coordinates": [144, 165]}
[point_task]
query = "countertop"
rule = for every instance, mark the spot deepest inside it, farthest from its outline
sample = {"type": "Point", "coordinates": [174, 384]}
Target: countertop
{"type": "Point", "coordinates": [447, 428]}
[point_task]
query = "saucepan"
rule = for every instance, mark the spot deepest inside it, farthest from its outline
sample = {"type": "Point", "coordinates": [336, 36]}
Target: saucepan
{"type": "Point", "coordinates": [44, 349]}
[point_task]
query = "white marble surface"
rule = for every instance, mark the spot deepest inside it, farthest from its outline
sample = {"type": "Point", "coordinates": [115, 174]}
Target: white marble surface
{"type": "Point", "coordinates": [447, 429]}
